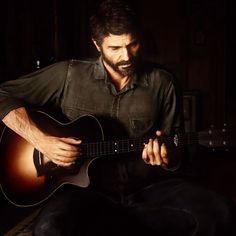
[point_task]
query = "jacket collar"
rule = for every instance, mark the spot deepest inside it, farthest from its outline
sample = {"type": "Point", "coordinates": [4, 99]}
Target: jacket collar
{"type": "Point", "coordinates": [100, 73]}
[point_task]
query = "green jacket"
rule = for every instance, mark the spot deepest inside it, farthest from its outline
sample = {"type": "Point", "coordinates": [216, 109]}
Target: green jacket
{"type": "Point", "coordinates": [150, 101]}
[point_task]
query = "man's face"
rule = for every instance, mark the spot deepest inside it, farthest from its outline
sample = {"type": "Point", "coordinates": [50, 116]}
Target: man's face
{"type": "Point", "coordinates": [120, 52]}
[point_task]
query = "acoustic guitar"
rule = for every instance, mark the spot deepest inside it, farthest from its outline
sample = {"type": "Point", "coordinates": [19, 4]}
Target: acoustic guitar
{"type": "Point", "coordinates": [26, 182]}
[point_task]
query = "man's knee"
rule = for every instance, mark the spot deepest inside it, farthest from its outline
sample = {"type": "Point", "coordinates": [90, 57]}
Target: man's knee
{"type": "Point", "coordinates": [49, 228]}
{"type": "Point", "coordinates": [45, 229]}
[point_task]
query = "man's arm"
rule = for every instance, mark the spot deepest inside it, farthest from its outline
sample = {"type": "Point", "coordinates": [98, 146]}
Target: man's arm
{"type": "Point", "coordinates": [41, 88]}
{"type": "Point", "coordinates": [19, 121]}
{"type": "Point", "coordinates": [61, 151]}
{"type": "Point", "coordinates": [171, 121]}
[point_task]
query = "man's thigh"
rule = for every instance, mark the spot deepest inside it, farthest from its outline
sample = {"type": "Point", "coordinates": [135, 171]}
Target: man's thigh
{"type": "Point", "coordinates": [174, 206]}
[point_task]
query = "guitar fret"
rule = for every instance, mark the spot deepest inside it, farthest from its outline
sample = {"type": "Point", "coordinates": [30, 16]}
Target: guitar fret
{"type": "Point", "coordinates": [97, 148]}
{"type": "Point", "coordinates": [105, 148]}
{"type": "Point", "coordinates": [91, 149]}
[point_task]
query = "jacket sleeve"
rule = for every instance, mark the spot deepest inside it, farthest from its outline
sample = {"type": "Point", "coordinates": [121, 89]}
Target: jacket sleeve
{"type": "Point", "coordinates": [171, 115]}
{"type": "Point", "coordinates": [40, 88]}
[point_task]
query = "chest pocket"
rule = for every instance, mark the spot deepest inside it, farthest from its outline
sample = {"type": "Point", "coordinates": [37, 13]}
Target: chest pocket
{"type": "Point", "coordinates": [140, 124]}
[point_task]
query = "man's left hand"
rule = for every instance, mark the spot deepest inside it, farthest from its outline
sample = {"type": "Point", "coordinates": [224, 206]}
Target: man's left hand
{"type": "Point", "coordinates": [155, 153]}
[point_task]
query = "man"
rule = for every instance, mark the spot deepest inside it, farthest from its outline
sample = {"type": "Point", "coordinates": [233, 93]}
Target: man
{"type": "Point", "coordinates": [128, 193]}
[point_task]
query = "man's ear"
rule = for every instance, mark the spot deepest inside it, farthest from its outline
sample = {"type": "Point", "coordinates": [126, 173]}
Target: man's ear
{"type": "Point", "coordinates": [96, 45]}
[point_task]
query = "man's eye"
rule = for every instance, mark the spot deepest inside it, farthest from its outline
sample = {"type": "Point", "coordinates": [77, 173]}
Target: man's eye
{"type": "Point", "coordinates": [114, 48]}
{"type": "Point", "coordinates": [134, 44]}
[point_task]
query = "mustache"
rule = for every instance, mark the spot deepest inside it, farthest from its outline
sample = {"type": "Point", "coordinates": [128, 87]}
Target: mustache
{"type": "Point", "coordinates": [124, 63]}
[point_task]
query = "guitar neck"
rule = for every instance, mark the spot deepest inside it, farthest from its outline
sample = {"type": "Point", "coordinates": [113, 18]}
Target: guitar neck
{"type": "Point", "coordinates": [113, 147]}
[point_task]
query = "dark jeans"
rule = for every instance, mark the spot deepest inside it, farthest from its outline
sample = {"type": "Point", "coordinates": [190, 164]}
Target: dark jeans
{"type": "Point", "coordinates": [169, 208]}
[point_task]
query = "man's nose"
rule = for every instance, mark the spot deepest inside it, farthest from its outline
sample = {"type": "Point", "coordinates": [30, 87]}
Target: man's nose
{"type": "Point", "coordinates": [125, 54]}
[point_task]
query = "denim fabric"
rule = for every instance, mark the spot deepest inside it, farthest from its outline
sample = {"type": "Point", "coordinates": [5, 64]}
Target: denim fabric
{"type": "Point", "coordinates": [169, 208]}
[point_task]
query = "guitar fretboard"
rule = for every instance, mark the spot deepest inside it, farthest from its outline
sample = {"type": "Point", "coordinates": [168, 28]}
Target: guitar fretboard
{"type": "Point", "coordinates": [113, 147]}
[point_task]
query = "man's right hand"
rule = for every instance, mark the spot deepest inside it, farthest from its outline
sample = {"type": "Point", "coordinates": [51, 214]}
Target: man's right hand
{"type": "Point", "coordinates": [61, 151]}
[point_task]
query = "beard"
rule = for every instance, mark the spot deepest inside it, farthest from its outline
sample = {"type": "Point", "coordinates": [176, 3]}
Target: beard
{"type": "Point", "coordinates": [127, 71]}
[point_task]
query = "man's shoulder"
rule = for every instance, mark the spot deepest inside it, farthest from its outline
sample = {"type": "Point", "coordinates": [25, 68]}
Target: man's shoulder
{"type": "Point", "coordinates": [82, 62]}
{"type": "Point", "coordinates": [156, 70]}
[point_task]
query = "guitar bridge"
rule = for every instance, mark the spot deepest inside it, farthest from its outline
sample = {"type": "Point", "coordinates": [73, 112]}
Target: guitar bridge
{"type": "Point", "coordinates": [38, 163]}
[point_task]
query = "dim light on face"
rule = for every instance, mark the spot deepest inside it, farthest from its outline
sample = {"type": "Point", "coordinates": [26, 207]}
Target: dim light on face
{"type": "Point", "coordinates": [120, 52]}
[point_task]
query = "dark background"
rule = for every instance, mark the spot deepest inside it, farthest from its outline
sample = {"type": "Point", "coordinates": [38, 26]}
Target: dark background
{"type": "Point", "coordinates": [193, 38]}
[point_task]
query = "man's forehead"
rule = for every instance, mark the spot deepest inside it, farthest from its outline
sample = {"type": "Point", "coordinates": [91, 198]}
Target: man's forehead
{"type": "Point", "coordinates": [119, 40]}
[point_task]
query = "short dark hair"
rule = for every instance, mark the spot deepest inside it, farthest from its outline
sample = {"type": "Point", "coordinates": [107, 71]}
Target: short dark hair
{"type": "Point", "coordinates": [113, 17]}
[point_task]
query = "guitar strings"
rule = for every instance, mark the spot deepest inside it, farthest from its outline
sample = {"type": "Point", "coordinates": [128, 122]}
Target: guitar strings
{"type": "Point", "coordinates": [103, 148]}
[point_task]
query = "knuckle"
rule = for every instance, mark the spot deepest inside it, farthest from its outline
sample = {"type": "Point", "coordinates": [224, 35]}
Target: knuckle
{"type": "Point", "coordinates": [156, 153]}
